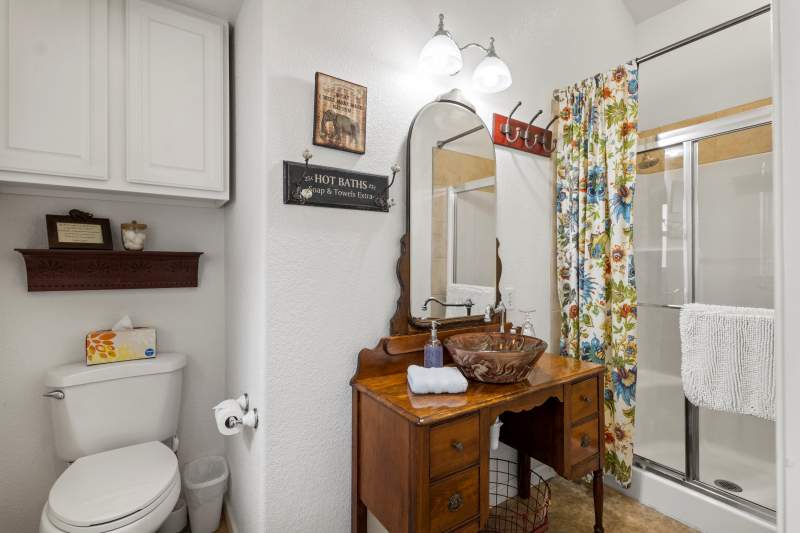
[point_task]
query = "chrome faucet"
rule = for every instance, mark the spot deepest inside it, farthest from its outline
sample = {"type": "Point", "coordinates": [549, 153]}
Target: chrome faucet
{"type": "Point", "coordinates": [467, 304]}
{"type": "Point", "coordinates": [501, 308]}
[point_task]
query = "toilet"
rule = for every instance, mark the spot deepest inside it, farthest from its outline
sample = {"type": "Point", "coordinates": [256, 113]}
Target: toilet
{"type": "Point", "coordinates": [110, 422]}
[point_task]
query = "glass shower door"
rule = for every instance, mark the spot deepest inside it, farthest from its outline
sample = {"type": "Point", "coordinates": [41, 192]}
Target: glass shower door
{"type": "Point", "coordinates": [704, 233]}
{"type": "Point", "coordinates": [733, 253]}
{"type": "Point", "coordinates": [662, 255]}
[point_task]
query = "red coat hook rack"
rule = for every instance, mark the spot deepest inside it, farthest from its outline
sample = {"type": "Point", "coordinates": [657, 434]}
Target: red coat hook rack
{"type": "Point", "coordinates": [512, 133]}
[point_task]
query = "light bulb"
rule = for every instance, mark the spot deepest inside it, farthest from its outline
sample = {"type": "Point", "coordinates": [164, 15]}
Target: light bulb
{"type": "Point", "coordinates": [440, 56]}
{"type": "Point", "coordinates": [491, 75]}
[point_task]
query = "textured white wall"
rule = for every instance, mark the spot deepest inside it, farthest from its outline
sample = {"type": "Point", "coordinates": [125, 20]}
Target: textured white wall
{"type": "Point", "coordinates": [787, 189]}
{"type": "Point", "coordinates": [331, 287]}
{"type": "Point", "coordinates": [245, 243]}
{"type": "Point", "coordinates": [42, 330]}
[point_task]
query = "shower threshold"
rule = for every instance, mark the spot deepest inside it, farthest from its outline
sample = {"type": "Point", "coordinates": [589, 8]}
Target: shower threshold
{"type": "Point", "coordinates": [721, 495]}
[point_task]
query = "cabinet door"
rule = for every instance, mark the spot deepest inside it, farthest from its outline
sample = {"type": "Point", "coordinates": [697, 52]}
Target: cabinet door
{"type": "Point", "coordinates": [176, 98]}
{"type": "Point", "coordinates": [53, 87]}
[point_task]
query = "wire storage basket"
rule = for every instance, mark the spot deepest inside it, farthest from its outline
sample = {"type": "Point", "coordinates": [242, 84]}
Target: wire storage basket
{"type": "Point", "coordinates": [509, 512]}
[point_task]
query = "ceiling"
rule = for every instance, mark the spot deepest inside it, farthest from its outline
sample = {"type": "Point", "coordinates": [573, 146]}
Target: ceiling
{"type": "Point", "coordinates": [226, 9]}
{"type": "Point", "coordinates": [644, 9]}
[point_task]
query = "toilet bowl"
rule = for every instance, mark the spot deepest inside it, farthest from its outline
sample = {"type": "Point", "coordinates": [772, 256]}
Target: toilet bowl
{"type": "Point", "coordinates": [109, 422]}
{"type": "Point", "coordinates": [125, 490]}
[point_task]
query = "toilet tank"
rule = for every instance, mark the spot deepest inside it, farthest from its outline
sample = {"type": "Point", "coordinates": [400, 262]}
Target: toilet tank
{"type": "Point", "coordinates": [114, 405]}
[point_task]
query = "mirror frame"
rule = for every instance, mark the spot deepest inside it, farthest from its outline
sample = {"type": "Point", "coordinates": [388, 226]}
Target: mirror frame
{"type": "Point", "coordinates": [403, 322]}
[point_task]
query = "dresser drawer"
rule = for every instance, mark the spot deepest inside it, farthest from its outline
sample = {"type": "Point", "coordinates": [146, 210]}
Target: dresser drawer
{"type": "Point", "coordinates": [583, 441]}
{"type": "Point", "coordinates": [472, 527]}
{"type": "Point", "coordinates": [454, 500]}
{"type": "Point", "coordinates": [453, 446]}
{"type": "Point", "coordinates": [583, 400]}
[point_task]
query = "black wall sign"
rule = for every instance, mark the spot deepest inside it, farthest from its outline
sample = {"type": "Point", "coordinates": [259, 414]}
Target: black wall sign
{"type": "Point", "coordinates": [333, 187]}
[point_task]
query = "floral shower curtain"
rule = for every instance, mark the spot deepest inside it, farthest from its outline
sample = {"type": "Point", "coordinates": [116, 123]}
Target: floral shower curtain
{"type": "Point", "coordinates": [595, 164]}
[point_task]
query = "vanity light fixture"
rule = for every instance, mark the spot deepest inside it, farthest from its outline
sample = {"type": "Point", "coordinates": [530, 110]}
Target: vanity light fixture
{"type": "Point", "coordinates": [442, 55]}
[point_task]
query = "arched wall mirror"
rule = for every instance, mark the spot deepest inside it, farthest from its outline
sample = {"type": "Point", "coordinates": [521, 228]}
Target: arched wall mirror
{"type": "Point", "coordinates": [449, 268]}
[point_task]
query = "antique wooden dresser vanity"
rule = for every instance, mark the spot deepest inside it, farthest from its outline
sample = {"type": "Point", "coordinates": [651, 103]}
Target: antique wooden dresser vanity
{"type": "Point", "coordinates": [421, 462]}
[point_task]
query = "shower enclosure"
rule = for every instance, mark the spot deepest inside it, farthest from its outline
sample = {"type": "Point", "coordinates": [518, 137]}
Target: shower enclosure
{"type": "Point", "coordinates": [704, 233]}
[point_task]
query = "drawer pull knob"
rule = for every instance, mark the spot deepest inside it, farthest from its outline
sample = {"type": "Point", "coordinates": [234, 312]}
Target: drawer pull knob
{"type": "Point", "coordinates": [585, 398]}
{"type": "Point", "coordinates": [455, 502]}
{"type": "Point", "coordinates": [585, 440]}
{"type": "Point", "coordinates": [457, 445]}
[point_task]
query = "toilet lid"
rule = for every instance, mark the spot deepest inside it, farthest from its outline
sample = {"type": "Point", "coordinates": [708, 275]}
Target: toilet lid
{"type": "Point", "coordinates": [107, 486]}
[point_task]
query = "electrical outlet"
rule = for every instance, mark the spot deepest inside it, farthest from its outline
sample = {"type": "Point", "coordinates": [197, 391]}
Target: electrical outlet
{"type": "Point", "coordinates": [508, 297]}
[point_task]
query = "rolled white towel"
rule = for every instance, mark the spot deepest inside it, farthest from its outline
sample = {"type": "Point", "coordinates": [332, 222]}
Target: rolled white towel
{"type": "Point", "coordinates": [447, 379]}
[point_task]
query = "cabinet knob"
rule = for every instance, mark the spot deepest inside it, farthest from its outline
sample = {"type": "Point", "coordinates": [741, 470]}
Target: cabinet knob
{"type": "Point", "coordinates": [458, 445]}
{"type": "Point", "coordinates": [585, 398]}
{"type": "Point", "coordinates": [585, 440]}
{"type": "Point", "coordinates": [455, 502]}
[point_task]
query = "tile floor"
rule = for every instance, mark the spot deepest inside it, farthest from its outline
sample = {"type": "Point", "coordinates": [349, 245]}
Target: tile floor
{"type": "Point", "coordinates": [572, 511]}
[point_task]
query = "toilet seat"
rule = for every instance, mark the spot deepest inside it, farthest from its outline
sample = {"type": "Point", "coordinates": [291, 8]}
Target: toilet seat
{"type": "Point", "coordinates": [109, 490]}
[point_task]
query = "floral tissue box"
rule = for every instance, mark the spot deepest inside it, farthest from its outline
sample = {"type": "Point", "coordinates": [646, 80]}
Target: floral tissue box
{"type": "Point", "coordinates": [108, 346]}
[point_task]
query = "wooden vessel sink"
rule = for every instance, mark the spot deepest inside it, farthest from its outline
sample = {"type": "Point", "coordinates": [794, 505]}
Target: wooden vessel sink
{"type": "Point", "coordinates": [495, 357]}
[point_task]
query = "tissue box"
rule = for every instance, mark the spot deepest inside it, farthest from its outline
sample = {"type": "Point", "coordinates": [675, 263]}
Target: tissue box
{"type": "Point", "coordinates": [107, 346]}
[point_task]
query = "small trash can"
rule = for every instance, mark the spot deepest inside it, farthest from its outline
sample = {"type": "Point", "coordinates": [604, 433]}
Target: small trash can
{"type": "Point", "coordinates": [509, 512]}
{"type": "Point", "coordinates": [204, 483]}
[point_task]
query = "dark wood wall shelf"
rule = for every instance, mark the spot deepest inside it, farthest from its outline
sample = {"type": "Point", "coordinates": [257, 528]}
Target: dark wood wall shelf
{"type": "Point", "coordinates": [82, 270]}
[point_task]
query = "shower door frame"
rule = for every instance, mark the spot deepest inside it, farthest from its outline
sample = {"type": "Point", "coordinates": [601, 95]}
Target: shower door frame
{"type": "Point", "coordinates": [688, 138]}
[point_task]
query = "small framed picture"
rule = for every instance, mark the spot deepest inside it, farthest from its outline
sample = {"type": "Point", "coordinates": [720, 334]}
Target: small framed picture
{"type": "Point", "coordinates": [340, 114]}
{"type": "Point", "coordinates": [78, 232]}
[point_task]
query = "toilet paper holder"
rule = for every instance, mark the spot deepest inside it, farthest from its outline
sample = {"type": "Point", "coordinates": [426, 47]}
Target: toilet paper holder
{"type": "Point", "coordinates": [249, 419]}
{"type": "Point", "coordinates": [244, 401]}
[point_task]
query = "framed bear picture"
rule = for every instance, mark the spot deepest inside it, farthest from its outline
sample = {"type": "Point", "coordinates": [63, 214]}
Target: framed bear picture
{"type": "Point", "coordinates": [340, 114]}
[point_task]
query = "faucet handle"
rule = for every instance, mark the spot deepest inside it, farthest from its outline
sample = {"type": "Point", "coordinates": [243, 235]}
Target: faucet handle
{"type": "Point", "coordinates": [468, 304]}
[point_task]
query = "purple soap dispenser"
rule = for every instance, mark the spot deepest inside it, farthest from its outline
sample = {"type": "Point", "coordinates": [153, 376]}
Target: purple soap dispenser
{"type": "Point", "coordinates": [434, 351]}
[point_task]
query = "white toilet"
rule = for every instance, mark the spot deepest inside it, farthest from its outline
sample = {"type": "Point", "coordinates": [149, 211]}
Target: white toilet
{"type": "Point", "coordinates": [110, 420]}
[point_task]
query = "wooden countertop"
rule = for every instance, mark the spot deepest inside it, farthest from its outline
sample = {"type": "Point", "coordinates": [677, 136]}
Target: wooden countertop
{"type": "Point", "coordinates": [392, 390]}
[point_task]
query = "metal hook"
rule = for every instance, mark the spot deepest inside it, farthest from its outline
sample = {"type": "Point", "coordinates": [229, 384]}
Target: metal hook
{"type": "Point", "coordinates": [301, 194]}
{"type": "Point", "coordinates": [505, 129]}
{"type": "Point", "coordinates": [527, 134]}
{"type": "Point", "coordinates": [553, 141]}
{"type": "Point", "coordinates": [380, 198]}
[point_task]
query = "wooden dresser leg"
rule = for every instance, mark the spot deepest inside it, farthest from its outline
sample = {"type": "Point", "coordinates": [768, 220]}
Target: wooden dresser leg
{"type": "Point", "coordinates": [597, 486]}
{"type": "Point", "coordinates": [523, 475]}
{"type": "Point", "coordinates": [359, 518]}
{"type": "Point", "coordinates": [358, 511]}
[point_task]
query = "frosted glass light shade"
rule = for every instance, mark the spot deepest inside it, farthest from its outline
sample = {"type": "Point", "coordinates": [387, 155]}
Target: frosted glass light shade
{"type": "Point", "coordinates": [491, 75]}
{"type": "Point", "coordinates": [440, 56]}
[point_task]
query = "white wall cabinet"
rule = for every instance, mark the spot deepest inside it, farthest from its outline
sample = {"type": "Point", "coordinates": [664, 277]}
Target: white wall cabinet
{"type": "Point", "coordinates": [53, 87]}
{"type": "Point", "coordinates": [113, 96]}
{"type": "Point", "coordinates": [175, 98]}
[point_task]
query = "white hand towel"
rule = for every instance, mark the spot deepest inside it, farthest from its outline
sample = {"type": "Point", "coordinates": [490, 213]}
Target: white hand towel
{"type": "Point", "coordinates": [728, 361]}
{"type": "Point", "coordinates": [447, 379]}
